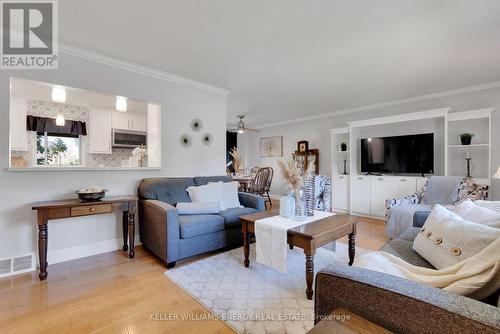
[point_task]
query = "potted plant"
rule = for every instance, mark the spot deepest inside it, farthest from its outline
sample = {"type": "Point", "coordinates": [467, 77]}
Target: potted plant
{"type": "Point", "coordinates": [466, 138]}
{"type": "Point", "coordinates": [343, 147]}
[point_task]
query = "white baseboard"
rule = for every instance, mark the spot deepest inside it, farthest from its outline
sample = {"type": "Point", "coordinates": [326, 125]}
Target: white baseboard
{"type": "Point", "coordinates": [72, 253]}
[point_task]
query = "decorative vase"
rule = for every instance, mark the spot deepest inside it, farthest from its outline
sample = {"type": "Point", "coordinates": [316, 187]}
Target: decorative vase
{"type": "Point", "coordinates": [287, 206]}
{"type": "Point", "coordinates": [300, 212]}
{"type": "Point", "coordinates": [309, 192]}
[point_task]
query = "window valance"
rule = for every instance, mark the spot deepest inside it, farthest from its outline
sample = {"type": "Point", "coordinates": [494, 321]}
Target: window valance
{"type": "Point", "coordinates": [46, 124]}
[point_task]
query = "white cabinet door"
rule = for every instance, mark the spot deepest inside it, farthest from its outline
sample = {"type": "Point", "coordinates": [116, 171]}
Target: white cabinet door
{"type": "Point", "coordinates": [99, 133]}
{"type": "Point", "coordinates": [403, 186]}
{"type": "Point", "coordinates": [120, 120]}
{"type": "Point", "coordinates": [340, 192]}
{"type": "Point", "coordinates": [381, 190]}
{"type": "Point", "coordinates": [18, 133]}
{"type": "Point", "coordinates": [138, 122]}
{"type": "Point", "coordinates": [360, 194]}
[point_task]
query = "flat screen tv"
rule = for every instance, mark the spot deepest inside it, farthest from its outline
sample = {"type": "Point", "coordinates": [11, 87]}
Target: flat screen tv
{"type": "Point", "coordinates": [398, 155]}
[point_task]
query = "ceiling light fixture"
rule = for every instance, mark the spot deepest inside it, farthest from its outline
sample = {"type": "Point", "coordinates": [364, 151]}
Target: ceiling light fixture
{"type": "Point", "coordinates": [121, 104]}
{"type": "Point", "coordinates": [58, 95]}
{"type": "Point", "coordinates": [60, 121]}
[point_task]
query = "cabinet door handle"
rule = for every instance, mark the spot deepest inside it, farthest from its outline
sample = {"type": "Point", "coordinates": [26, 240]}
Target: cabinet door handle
{"type": "Point", "coordinates": [403, 180]}
{"type": "Point", "coordinates": [380, 179]}
{"type": "Point", "coordinates": [360, 178]}
{"type": "Point", "coordinates": [132, 124]}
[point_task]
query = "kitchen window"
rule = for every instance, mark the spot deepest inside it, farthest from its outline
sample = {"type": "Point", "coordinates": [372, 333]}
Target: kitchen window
{"type": "Point", "coordinates": [54, 149]}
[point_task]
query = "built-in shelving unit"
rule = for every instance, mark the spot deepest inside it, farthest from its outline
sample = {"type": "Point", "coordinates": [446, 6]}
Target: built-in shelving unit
{"type": "Point", "coordinates": [365, 195]}
{"type": "Point", "coordinates": [477, 122]}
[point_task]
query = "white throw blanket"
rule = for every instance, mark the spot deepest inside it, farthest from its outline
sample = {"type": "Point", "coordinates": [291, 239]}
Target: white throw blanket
{"type": "Point", "coordinates": [271, 238]}
{"type": "Point", "coordinates": [476, 277]}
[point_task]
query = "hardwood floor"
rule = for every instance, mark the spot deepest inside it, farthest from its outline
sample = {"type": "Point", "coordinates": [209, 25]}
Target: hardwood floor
{"type": "Point", "coordinates": [109, 293]}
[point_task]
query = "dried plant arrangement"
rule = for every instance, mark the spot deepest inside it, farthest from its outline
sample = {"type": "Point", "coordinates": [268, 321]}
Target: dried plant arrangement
{"type": "Point", "coordinates": [235, 154]}
{"type": "Point", "coordinates": [295, 179]}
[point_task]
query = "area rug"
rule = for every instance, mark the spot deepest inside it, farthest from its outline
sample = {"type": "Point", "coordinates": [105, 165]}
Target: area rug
{"type": "Point", "coordinates": [258, 299]}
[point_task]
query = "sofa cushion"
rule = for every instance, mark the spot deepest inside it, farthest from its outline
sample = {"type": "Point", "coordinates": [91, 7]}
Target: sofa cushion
{"type": "Point", "coordinates": [195, 225]}
{"type": "Point", "coordinates": [404, 250]}
{"type": "Point", "coordinates": [410, 234]}
{"type": "Point", "coordinates": [472, 212]}
{"type": "Point", "coordinates": [447, 239]}
{"type": "Point", "coordinates": [232, 216]}
{"type": "Point", "coordinates": [228, 194]}
{"type": "Point", "coordinates": [202, 180]}
{"type": "Point", "coordinates": [169, 190]}
{"type": "Point", "coordinates": [201, 208]}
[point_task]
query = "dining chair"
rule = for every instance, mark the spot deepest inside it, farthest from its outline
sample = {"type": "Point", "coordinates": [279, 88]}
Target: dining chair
{"type": "Point", "coordinates": [262, 183]}
{"type": "Point", "coordinates": [259, 183]}
{"type": "Point", "coordinates": [268, 186]}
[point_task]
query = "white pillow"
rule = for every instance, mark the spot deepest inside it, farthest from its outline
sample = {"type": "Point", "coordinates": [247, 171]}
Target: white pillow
{"type": "Point", "coordinates": [229, 194]}
{"type": "Point", "coordinates": [472, 212]}
{"type": "Point", "coordinates": [446, 238]}
{"type": "Point", "coordinates": [200, 208]}
{"type": "Point", "coordinates": [206, 193]}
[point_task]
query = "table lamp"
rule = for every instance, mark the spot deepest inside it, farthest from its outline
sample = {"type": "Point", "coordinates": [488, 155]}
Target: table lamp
{"type": "Point", "coordinates": [497, 175]}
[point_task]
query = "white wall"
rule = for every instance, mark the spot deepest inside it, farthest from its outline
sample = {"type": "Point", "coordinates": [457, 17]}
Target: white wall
{"type": "Point", "coordinates": [179, 105]}
{"type": "Point", "coordinates": [316, 132]}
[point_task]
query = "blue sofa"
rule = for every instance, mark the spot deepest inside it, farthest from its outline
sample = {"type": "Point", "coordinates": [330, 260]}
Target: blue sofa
{"type": "Point", "coordinates": [172, 236]}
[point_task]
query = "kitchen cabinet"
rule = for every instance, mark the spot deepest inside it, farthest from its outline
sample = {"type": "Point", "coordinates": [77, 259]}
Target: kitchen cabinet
{"type": "Point", "coordinates": [99, 131]}
{"type": "Point", "coordinates": [129, 121]}
{"type": "Point", "coordinates": [18, 133]}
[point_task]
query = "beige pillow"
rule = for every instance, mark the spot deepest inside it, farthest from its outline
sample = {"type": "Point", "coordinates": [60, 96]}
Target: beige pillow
{"type": "Point", "coordinates": [446, 238]}
{"type": "Point", "coordinates": [475, 213]}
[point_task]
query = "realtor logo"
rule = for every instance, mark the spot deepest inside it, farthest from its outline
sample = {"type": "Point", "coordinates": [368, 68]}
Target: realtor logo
{"type": "Point", "coordinates": [29, 34]}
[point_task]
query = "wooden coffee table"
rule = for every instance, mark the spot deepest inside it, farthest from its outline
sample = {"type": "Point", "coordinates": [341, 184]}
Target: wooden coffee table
{"type": "Point", "coordinates": [308, 237]}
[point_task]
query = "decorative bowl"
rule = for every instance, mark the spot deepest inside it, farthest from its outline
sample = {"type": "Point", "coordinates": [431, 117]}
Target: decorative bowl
{"type": "Point", "coordinates": [91, 196]}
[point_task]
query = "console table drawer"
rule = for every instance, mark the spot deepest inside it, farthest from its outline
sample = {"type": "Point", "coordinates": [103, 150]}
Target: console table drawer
{"type": "Point", "coordinates": [90, 210]}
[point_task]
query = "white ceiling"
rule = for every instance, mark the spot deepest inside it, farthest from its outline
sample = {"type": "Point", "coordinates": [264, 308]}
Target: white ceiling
{"type": "Point", "coordinates": [37, 90]}
{"type": "Point", "coordinates": [284, 59]}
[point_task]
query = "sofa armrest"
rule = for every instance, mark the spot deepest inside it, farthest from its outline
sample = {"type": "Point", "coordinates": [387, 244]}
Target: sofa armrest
{"type": "Point", "coordinates": [160, 229]}
{"type": "Point", "coordinates": [252, 201]}
{"type": "Point", "coordinates": [400, 305]}
{"type": "Point", "coordinates": [419, 218]}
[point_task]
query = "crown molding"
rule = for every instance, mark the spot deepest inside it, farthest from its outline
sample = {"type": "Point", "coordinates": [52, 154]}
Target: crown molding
{"type": "Point", "coordinates": [141, 69]}
{"type": "Point", "coordinates": [386, 104]}
{"type": "Point", "coordinates": [133, 67]}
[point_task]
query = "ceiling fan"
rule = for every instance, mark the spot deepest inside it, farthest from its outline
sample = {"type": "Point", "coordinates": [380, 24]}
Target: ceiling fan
{"type": "Point", "coordinates": [241, 126]}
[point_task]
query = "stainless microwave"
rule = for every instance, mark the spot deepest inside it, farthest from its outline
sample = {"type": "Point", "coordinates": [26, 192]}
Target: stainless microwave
{"type": "Point", "coordinates": [128, 138]}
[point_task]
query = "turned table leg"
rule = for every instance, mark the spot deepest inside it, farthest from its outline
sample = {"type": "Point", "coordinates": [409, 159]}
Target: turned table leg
{"type": "Point", "coordinates": [246, 248]}
{"type": "Point", "coordinates": [309, 275]}
{"type": "Point", "coordinates": [125, 230]}
{"type": "Point", "coordinates": [131, 234]}
{"type": "Point", "coordinates": [43, 235]}
{"type": "Point", "coordinates": [352, 247]}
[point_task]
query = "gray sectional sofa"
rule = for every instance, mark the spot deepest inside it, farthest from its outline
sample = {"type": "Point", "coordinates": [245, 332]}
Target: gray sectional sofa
{"type": "Point", "coordinates": [172, 236]}
{"type": "Point", "coordinates": [400, 305]}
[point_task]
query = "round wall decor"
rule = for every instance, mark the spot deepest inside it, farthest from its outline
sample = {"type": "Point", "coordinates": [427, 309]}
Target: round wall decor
{"type": "Point", "coordinates": [186, 140]}
{"type": "Point", "coordinates": [207, 139]}
{"type": "Point", "coordinates": [196, 124]}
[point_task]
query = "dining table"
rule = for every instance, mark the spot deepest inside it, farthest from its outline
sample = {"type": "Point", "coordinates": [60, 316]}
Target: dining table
{"type": "Point", "coordinates": [244, 181]}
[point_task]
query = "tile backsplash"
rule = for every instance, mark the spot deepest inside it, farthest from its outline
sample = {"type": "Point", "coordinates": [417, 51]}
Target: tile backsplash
{"type": "Point", "coordinates": [118, 158]}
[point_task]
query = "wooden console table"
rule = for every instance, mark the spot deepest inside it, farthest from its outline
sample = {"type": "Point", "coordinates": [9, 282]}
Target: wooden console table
{"type": "Point", "coordinates": [127, 205]}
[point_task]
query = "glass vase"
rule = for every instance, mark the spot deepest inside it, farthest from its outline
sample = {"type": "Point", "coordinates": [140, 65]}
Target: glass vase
{"type": "Point", "coordinates": [300, 210]}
